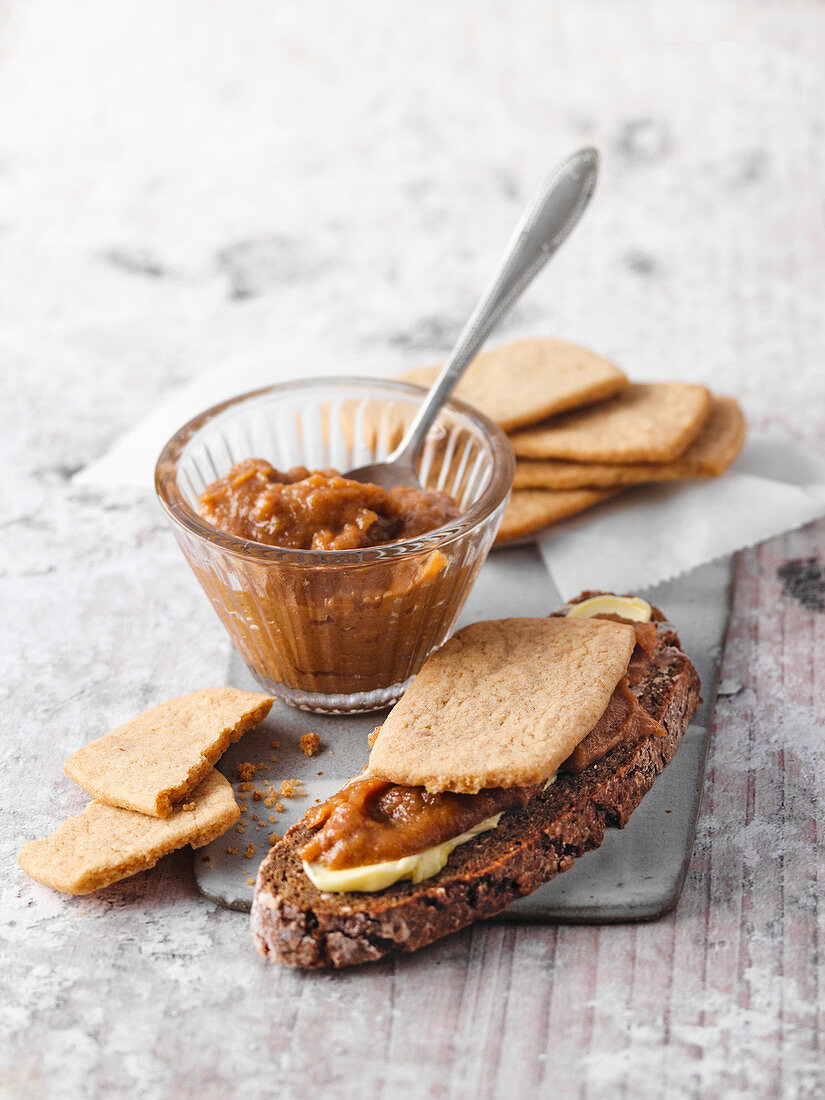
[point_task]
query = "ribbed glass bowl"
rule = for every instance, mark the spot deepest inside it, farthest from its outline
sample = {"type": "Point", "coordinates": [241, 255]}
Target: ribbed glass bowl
{"type": "Point", "coordinates": [345, 630]}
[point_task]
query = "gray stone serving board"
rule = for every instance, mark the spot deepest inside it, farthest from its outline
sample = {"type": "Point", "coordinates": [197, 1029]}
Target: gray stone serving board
{"type": "Point", "coordinates": [637, 873]}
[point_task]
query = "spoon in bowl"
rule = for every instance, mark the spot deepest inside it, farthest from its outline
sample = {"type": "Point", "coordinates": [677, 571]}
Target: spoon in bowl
{"type": "Point", "coordinates": [550, 217]}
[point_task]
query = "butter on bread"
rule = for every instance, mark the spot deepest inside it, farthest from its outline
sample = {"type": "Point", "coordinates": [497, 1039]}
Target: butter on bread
{"type": "Point", "coordinates": [417, 867]}
{"type": "Point", "coordinates": [502, 703]}
{"type": "Point", "coordinates": [633, 608]}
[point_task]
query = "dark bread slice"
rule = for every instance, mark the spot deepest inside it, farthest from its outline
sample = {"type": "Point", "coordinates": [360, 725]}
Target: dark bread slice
{"type": "Point", "coordinates": [301, 926]}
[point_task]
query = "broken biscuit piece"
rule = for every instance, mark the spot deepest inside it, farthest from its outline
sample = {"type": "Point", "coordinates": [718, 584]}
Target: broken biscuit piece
{"type": "Point", "coordinates": [156, 759]}
{"type": "Point", "coordinates": [310, 743]}
{"type": "Point", "coordinates": [105, 844]}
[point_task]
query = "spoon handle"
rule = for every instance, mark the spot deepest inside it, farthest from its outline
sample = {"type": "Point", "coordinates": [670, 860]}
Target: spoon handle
{"type": "Point", "coordinates": [550, 217]}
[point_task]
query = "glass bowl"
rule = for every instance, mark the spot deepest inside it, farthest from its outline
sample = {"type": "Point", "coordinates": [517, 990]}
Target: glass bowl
{"type": "Point", "coordinates": [345, 630]}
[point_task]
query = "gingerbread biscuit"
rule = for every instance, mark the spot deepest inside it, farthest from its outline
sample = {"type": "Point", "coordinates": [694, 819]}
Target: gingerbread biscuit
{"type": "Point", "coordinates": [711, 453]}
{"type": "Point", "coordinates": [156, 759]}
{"type": "Point", "coordinates": [105, 844]}
{"type": "Point", "coordinates": [502, 703]}
{"type": "Point", "coordinates": [527, 381]}
{"type": "Point", "coordinates": [647, 422]}
{"type": "Point", "coordinates": [529, 510]}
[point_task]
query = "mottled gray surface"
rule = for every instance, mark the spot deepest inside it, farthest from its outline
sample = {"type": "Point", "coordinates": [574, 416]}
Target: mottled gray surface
{"type": "Point", "coordinates": [181, 182]}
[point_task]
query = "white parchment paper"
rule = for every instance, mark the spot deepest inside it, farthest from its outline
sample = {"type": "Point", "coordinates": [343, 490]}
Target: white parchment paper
{"type": "Point", "coordinates": [655, 532]}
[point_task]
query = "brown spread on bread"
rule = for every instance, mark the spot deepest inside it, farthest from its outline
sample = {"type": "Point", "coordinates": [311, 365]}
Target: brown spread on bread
{"type": "Point", "coordinates": [371, 820]}
{"type": "Point", "coordinates": [624, 720]}
{"type": "Point", "coordinates": [643, 652]}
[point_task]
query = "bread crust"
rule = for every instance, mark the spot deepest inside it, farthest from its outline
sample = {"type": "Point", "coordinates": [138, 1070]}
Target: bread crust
{"type": "Point", "coordinates": [299, 926]}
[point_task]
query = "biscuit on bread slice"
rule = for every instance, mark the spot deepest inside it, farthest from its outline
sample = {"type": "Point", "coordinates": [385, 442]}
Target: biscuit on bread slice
{"type": "Point", "coordinates": [301, 926]}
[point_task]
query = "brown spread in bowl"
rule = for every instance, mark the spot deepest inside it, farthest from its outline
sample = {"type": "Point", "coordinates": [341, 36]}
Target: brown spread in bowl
{"type": "Point", "coordinates": [330, 629]}
{"type": "Point", "coordinates": [334, 592]}
{"type": "Point", "coordinates": [319, 510]}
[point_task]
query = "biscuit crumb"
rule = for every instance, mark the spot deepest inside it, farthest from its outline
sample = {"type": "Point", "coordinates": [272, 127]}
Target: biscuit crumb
{"type": "Point", "coordinates": [254, 817]}
{"type": "Point", "coordinates": [320, 773]}
{"type": "Point", "coordinates": [250, 882]}
{"type": "Point", "coordinates": [240, 829]}
{"type": "Point", "coordinates": [250, 851]}
{"type": "Point", "coordinates": [273, 818]}
{"type": "Point", "coordinates": [288, 789]}
{"type": "Point", "coordinates": [257, 796]}
{"type": "Point", "coordinates": [188, 806]}
{"type": "Point", "coordinates": [274, 838]}
{"type": "Point", "coordinates": [276, 744]}
{"type": "Point", "coordinates": [310, 743]}
{"type": "Point", "coordinates": [232, 851]}
{"type": "Point", "coordinates": [246, 773]}
{"type": "Point", "coordinates": [245, 787]}
{"type": "Point", "coordinates": [279, 807]}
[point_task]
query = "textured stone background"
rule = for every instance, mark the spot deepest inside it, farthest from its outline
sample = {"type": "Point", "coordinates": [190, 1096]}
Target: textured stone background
{"type": "Point", "coordinates": [182, 182]}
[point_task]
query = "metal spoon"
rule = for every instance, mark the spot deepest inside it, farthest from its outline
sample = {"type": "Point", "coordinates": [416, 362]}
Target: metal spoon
{"type": "Point", "coordinates": [548, 220]}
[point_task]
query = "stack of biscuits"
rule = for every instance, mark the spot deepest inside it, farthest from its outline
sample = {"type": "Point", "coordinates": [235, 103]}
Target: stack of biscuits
{"type": "Point", "coordinates": [154, 789]}
{"type": "Point", "coordinates": [582, 432]}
